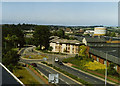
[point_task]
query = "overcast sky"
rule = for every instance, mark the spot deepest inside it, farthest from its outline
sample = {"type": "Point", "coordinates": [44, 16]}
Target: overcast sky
{"type": "Point", "coordinates": [61, 13]}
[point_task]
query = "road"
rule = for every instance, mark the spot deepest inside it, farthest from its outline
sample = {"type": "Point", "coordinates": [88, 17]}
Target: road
{"type": "Point", "coordinates": [63, 80]}
{"type": "Point", "coordinates": [81, 75]}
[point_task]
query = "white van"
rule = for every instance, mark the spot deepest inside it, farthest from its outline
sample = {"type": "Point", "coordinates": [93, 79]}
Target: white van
{"type": "Point", "coordinates": [56, 59]}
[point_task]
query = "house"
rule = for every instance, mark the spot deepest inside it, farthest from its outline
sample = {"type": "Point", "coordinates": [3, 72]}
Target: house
{"type": "Point", "coordinates": [68, 30]}
{"type": "Point", "coordinates": [65, 46]}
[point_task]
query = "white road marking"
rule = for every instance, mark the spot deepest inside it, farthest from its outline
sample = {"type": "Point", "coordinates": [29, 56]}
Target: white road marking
{"type": "Point", "coordinates": [59, 78]}
{"type": "Point", "coordinates": [63, 81]}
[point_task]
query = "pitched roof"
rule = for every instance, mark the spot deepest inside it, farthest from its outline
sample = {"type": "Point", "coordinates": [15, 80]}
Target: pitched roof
{"type": "Point", "coordinates": [66, 41]}
{"type": "Point", "coordinates": [94, 39]}
{"type": "Point", "coordinates": [112, 56]}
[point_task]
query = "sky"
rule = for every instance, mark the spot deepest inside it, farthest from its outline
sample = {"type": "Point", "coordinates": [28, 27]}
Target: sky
{"type": "Point", "coordinates": [61, 13]}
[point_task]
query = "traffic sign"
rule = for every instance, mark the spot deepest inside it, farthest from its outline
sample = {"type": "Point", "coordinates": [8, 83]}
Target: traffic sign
{"type": "Point", "coordinates": [54, 78]}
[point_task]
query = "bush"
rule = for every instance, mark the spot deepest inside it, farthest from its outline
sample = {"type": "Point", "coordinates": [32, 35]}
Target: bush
{"type": "Point", "coordinates": [50, 65]}
{"type": "Point", "coordinates": [37, 48]}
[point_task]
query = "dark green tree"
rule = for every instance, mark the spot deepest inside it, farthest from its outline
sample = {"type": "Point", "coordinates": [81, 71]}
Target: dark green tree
{"type": "Point", "coordinates": [10, 59]}
{"type": "Point", "coordinates": [112, 34]}
{"type": "Point", "coordinates": [41, 36]}
{"type": "Point", "coordinates": [61, 33]}
{"type": "Point", "coordinates": [50, 48]}
{"type": "Point", "coordinates": [111, 69]}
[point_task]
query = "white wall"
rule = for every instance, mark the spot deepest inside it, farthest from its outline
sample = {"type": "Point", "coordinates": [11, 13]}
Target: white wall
{"type": "Point", "coordinates": [71, 46]}
{"type": "Point", "coordinates": [53, 45]}
{"type": "Point", "coordinates": [63, 47]}
{"type": "Point", "coordinates": [84, 41]}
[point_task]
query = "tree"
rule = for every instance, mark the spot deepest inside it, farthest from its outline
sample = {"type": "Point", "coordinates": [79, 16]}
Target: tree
{"type": "Point", "coordinates": [111, 70]}
{"type": "Point", "coordinates": [50, 48]}
{"type": "Point", "coordinates": [41, 36]}
{"type": "Point", "coordinates": [10, 59]}
{"type": "Point", "coordinates": [61, 33]}
{"type": "Point", "coordinates": [113, 34]}
{"type": "Point", "coordinates": [82, 51]}
{"type": "Point", "coordinates": [76, 56]}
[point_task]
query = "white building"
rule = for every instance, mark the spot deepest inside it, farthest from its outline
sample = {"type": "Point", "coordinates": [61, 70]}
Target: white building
{"type": "Point", "coordinates": [65, 46]}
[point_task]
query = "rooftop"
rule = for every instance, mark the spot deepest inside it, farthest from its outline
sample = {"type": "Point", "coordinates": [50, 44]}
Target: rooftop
{"type": "Point", "coordinates": [101, 52]}
{"type": "Point", "coordinates": [66, 41]}
{"type": "Point", "coordinates": [91, 39]}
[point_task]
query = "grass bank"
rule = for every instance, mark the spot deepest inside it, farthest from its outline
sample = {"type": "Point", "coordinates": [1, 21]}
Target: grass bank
{"type": "Point", "coordinates": [92, 67]}
{"type": "Point", "coordinates": [23, 74]}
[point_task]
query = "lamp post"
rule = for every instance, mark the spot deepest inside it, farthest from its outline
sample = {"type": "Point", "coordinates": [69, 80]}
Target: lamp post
{"type": "Point", "coordinates": [106, 66]}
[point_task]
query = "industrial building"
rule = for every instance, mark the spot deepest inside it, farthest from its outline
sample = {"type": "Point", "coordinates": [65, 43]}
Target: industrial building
{"type": "Point", "coordinates": [99, 31]}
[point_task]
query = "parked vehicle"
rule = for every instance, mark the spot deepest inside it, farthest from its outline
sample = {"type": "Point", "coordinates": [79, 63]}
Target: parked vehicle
{"type": "Point", "coordinates": [34, 64]}
{"type": "Point", "coordinates": [60, 63]}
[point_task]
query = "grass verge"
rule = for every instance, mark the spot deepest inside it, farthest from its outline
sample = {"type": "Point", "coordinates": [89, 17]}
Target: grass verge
{"type": "Point", "coordinates": [25, 76]}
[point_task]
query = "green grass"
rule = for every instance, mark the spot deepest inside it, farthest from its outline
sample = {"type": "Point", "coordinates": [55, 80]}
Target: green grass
{"type": "Point", "coordinates": [32, 56]}
{"type": "Point", "coordinates": [15, 49]}
{"type": "Point", "coordinates": [80, 65]}
{"type": "Point", "coordinates": [25, 76]}
{"type": "Point", "coordinates": [98, 75]}
{"type": "Point", "coordinates": [46, 51]}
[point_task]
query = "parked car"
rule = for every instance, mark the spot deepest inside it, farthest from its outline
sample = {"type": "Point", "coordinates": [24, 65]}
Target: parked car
{"type": "Point", "coordinates": [60, 63]}
{"type": "Point", "coordinates": [34, 64]}
{"type": "Point", "coordinates": [56, 59]}
{"type": "Point", "coordinates": [23, 65]}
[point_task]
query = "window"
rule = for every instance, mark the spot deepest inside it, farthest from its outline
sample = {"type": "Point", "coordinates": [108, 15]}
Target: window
{"type": "Point", "coordinates": [97, 59]}
{"type": "Point", "coordinates": [91, 55]}
{"type": "Point", "coordinates": [115, 67]}
{"type": "Point", "coordinates": [105, 62]}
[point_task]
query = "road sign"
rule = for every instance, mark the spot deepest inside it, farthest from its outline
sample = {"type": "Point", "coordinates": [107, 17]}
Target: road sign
{"type": "Point", "coordinates": [54, 78]}
{"type": "Point", "coordinates": [45, 59]}
{"type": "Point", "coordinates": [38, 53]}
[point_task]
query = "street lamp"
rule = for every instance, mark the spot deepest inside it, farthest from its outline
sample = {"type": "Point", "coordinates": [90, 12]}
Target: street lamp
{"type": "Point", "coordinates": [106, 66]}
